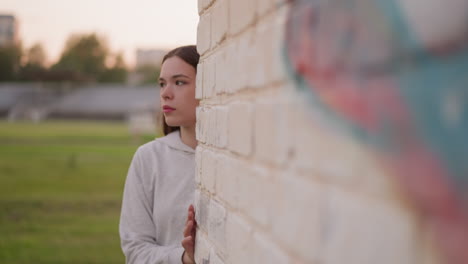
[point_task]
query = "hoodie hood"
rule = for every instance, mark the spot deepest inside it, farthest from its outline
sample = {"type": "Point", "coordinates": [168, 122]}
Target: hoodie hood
{"type": "Point", "coordinates": [174, 141]}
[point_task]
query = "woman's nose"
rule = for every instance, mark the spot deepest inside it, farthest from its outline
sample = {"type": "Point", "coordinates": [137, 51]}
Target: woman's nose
{"type": "Point", "coordinates": [166, 93]}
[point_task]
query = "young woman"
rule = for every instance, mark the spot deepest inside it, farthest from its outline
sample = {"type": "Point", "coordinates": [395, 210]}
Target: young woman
{"type": "Point", "coordinates": [155, 226]}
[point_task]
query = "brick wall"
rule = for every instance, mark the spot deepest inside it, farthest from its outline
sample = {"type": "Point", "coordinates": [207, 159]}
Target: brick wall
{"type": "Point", "coordinates": [276, 183]}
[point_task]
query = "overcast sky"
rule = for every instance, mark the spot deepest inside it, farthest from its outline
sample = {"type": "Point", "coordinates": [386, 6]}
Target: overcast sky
{"type": "Point", "coordinates": [127, 24]}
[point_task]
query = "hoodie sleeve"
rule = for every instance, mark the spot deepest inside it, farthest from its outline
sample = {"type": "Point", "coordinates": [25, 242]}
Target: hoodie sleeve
{"type": "Point", "coordinates": [137, 229]}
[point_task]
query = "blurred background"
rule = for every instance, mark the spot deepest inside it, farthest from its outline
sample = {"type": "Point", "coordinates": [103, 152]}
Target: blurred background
{"type": "Point", "coordinates": [78, 95]}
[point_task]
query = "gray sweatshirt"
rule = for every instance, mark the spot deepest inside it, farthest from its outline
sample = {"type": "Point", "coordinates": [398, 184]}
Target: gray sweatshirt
{"type": "Point", "coordinates": [159, 188]}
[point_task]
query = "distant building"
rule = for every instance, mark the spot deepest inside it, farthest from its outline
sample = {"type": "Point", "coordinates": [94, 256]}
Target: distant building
{"type": "Point", "coordinates": [8, 30]}
{"type": "Point", "coordinates": [145, 58]}
{"type": "Point", "coordinates": [149, 57]}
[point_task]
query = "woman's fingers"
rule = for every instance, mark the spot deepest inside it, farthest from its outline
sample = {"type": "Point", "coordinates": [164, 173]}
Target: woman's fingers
{"type": "Point", "coordinates": [191, 210]}
{"type": "Point", "coordinates": [190, 214]}
{"type": "Point", "coordinates": [190, 224]}
{"type": "Point", "coordinates": [188, 230]}
{"type": "Point", "coordinates": [188, 244]}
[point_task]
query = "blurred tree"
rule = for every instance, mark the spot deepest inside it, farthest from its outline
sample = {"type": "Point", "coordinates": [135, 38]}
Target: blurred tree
{"type": "Point", "coordinates": [10, 57]}
{"type": "Point", "coordinates": [34, 68]}
{"type": "Point", "coordinates": [84, 56]}
{"type": "Point", "coordinates": [148, 73]}
{"type": "Point", "coordinates": [116, 73]}
{"type": "Point", "coordinates": [36, 55]}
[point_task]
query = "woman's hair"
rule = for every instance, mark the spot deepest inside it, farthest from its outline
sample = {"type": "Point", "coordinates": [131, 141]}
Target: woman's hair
{"type": "Point", "coordinates": [190, 55]}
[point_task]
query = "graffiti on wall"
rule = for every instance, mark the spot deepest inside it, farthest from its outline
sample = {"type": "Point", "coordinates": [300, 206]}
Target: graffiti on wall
{"type": "Point", "coordinates": [395, 74]}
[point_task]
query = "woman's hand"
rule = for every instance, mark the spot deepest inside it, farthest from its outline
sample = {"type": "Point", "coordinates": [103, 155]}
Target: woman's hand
{"type": "Point", "coordinates": [189, 237]}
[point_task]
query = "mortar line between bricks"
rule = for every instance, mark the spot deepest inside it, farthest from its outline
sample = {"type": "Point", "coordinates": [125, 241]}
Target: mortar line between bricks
{"type": "Point", "coordinates": [398, 199]}
{"type": "Point", "coordinates": [206, 8]}
{"type": "Point", "coordinates": [243, 94]}
{"type": "Point", "coordinates": [228, 37]}
{"type": "Point", "coordinates": [255, 160]}
{"type": "Point", "coordinates": [289, 168]}
{"type": "Point", "coordinates": [255, 229]}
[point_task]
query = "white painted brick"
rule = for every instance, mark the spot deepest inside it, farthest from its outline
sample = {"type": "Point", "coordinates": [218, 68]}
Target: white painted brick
{"type": "Point", "coordinates": [199, 82]}
{"type": "Point", "coordinates": [207, 124]}
{"type": "Point", "coordinates": [210, 116]}
{"type": "Point", "coordinates": [272, 131]}
{"type": "Point", "coordinates": [366, 230]}
{"type": "Point", "coordinates": [240, 128]}
{"type": "Point", "coordinates": [232, 68]}
{"type": "Point", "coordinates": [198, 123]}
{"type": "Point", "coordinates": [314, 142]}
{"type": "Point", "coordinates": [256, 193]}
{"type": "Point", "coordinates": [213, 126]}
{"type": "Point", "coordinates": [208, 77]}
{"type": "Point", "coordinates": [316, 139]}
{"type": "Point", "coordinates": [201, 125]}
{"type": "Point", "coordinates": [241, 14]}
{"type": "Point", "coordinates": [202, 212]}
{"type": "Point", "coordinates": [265, 56]}
{"type": "Point", "coordinates": [217, 225]}
{"type": "Point", "coordinates": [266, 251]}
{"type": "Point", "coordinates": [246, 60]}
{"type": "Point", "coordinates": [202, 248]}
{"type": "Point", "coordinates": [197, 203]}
{"type": "Point", "coordinates": [296, 221]}
{"type": "Point", "coordinates": [254, 60]}
{"type": "Point", "coordinates": [203, 4]}
{"type": "Point", "coordinates": [246, 186]}
{"type": "Point", "coordinates": [264, 6]}
{"type": "Point", "coordinates": [266, 126]}
{"type": "Point", "coordinates": [219, 22]}
{"type": "Point", "coordinates": [204, 34]}
{"type": "Point", "coordinates": [198, 164]}
{"type": "Point", "coordinates": [209, 170]}
{"type": "Point", "coordinates": [310, 141]}
{"type": "Point", "coordinates": [221, 131]}
{"type": "Point", "coordinates": [214, 258]}
{"type": "Point", "coordinates": [271, 42]}
{"type": "Point", "coordinates": [221, 72]}
{"type": "Point", "coordinates": [238, 240]}
{"type": "Point", "coordinates": [227, 182]}
{"type": "Point", "coordinates": [212, 131]}
{"type": "Point", "coordinates": [267, 62]}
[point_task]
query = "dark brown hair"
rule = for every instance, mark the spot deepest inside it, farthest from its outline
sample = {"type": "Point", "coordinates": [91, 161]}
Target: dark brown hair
{"type": "Point", "coordinates": [190, 55]}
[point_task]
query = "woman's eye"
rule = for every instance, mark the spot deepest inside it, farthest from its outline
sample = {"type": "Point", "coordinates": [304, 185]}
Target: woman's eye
{"type": "Point", "coordinates": [179, 83]}
{"type": "Point", "coordinates": [161, 84]}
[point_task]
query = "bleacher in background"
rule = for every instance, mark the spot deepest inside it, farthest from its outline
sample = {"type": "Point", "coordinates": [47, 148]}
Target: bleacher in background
{"type": "Point", "coordinates": [38, 101]}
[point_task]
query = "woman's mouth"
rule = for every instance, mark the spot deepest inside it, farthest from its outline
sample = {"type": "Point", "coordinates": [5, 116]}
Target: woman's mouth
{"type": "Point", "coordinates": [167, 109]}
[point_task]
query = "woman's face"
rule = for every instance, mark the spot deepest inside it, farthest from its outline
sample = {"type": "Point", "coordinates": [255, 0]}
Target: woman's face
{"type": "Point", "coordinates": [177, 81]}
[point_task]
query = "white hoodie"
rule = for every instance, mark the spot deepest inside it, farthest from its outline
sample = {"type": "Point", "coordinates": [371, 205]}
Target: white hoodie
{"type": "Point", "coordinates": [159, 188]}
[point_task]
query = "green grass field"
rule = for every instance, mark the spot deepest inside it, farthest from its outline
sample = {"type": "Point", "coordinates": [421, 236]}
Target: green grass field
{"type": "Point", "coordinates": [61, 187]}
